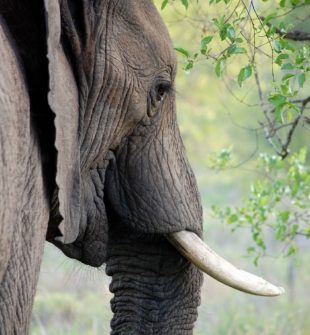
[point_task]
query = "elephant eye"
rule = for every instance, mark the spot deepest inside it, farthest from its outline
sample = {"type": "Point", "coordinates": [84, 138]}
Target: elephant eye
{"type": "Point", "coordinates": [161, 91]}
{"type": "Point", "coordinates": [157, 95]}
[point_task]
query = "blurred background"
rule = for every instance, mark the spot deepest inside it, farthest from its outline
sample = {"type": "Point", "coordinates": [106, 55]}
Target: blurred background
{"type": "Point", "coordinates": [74, 299]}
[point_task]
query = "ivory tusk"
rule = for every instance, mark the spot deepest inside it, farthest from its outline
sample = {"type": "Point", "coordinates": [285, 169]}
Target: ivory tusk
{"type": "Point", "coordinates": [197, 252]}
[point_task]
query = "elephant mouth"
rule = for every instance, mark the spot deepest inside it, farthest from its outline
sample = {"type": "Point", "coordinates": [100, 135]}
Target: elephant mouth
{"type": "Point", "coordinates": [190, 246]}
{"type": "Point", "coordinates": [208, 261]}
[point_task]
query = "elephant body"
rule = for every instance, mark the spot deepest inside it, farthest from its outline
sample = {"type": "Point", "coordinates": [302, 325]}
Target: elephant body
{"type": "Point", "coordinates": [24, 208]}
{"type": "Point", "coordinates": [91, 159]}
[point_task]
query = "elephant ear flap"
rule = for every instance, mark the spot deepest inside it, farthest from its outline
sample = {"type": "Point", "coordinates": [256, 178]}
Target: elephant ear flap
{"type": "Point", "coordinates": [63, 100]}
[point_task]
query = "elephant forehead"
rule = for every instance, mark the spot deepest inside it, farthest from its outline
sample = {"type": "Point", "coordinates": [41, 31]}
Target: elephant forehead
{"type": "Point", "coordinates": [142, 36]}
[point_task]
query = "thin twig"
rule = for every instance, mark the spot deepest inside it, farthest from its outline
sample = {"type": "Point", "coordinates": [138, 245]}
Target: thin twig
{"type": "Point", "coordinates": [269, 42]}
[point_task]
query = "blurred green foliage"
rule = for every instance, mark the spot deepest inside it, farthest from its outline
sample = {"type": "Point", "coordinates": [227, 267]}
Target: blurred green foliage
{"type": "Point", "coordinates": [71, 302]}
{"type": "Point", "coordinates": [69, 313]}
{"type": "Point", "coordinates": [237, 38]}
{"type": "Point", "coordinates": [247, 33]}
{"type": "Point", "coordinates": [278, 203]}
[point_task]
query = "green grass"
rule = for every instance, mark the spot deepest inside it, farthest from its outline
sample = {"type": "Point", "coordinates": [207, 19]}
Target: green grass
{"type": "Point", "coordinates": [74, 299]}
{"type": "Point", "coordinates": [61, 313]}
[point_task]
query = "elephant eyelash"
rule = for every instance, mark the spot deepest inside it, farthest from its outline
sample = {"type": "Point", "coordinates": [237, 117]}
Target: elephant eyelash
{"type": "Point", "coordinates": [166, 88]}
{"type": "Point", "coordinates": [159, 92]}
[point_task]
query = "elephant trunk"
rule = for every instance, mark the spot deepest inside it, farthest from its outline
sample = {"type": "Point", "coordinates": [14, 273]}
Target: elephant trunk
{"type": "Point", "coordinates": [156, 290]}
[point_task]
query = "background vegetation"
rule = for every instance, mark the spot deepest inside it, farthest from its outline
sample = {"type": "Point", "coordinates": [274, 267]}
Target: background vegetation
{"type": "Point", "coordinates": [242, 93]}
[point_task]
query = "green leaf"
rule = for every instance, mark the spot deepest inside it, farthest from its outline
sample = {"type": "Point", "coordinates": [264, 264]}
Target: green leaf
{"type": "Point", "coordinates": [232, 218]}
{"type": "Point", "coordinates": [302, 55]}
{"type": "Point", "coordinates": [223, 33]}
{"type": "Point", "coordinates": [294, 107]}
{"type": "Point", "coordinates": [286, 88]}
{"type": "Point", "coordinates": [282, 3]}
{"type": "Point", "coordinates": [280, 232]}
{"type": "Point", "coordinates": [307, 232]}
{"type": "Point", "coordinates": [288, 46]}
{"type": "Point", "coordinates": [289, 115]}
{"type": "Point", "coordinates": [222, 26]}
{"type": "Point", "coordinates": [231, 34]}
{"type": "Point", "coordinates": [301, 79]}
{"type": "Point", "coordinates": [234, 49]}
{"type": "Point", "coordinates": [280, 58]}
{"type": "Point", "coordinates": [185, 3]}
{"type": "Point", "coordinates": [164, 4]}
{"type": "Point", "coordinates": [263, 201]}
{"type": "Point", "coordinates": [219, 67]}
{"type": "Point", "coordinates": [302, 155]}
{"type": "Point", "coordinates": [204, 42]}
{"type": "Point", "coordinates": [287, 76]}
{"type": "Point", "coordinates": [294, 229]}
{"type": "Point", "coordinates": [270, 17]}
{"type": "Point", "coordinates": [255, 261]}
{"type": "Point", "coordinates": [291, 250]}
{"type": "Point", "coordinates": [271, 31]}
{"type": "Point", "coordinates": [295, 2]}
{"type": "Point", "coordinates": [260, 242]}
{"type": "Point", "coordinates": [244, 74]}
{"type": "Point", "coordinates": [183, 52]}
{"type": "Point", "coordinates": [278, 112]}
{"type": "Point", "coordinates": [287, 66]}
{"type": "Point", "coordinates": [277, 46]}
{"type": "Point", "coordinates": [239, 51]}
{"type": "Point", "coordinates": [277, 99]}
{"type": "Point", "coordinates": [284, 216]}
{"type": "Point", "coordinates": [283, 27]}
{"type": "Point", "coordinates": [189, 66]}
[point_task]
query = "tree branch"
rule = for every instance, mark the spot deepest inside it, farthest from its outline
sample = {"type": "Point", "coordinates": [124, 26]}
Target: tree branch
{"type": "Point", "coordinates": [295, 35]}
{"type": "Point", "coordinates": [285, 150]}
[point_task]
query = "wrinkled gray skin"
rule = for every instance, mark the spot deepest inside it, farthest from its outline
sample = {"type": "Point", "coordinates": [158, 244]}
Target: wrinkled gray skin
{"type": "Point", "coordinates": [91, 157]}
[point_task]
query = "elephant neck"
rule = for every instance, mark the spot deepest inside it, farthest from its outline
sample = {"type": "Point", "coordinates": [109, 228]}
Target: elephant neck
{"type": "Point", "coordinates": [156, 291]}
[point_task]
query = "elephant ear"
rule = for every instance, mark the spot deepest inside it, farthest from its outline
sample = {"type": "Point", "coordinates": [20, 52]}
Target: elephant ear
{"type": "Point", "coordinates": [63, 99]}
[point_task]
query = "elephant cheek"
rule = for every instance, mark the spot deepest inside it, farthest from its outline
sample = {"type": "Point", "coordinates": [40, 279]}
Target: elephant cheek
{"type": "Point", "coordinates": [152, 189]}
{"type": "Point", "coordinates": [112, 188]}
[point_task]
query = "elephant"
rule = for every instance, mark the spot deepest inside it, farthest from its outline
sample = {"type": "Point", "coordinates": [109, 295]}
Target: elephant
{"type": "Point", "coordinates": [92, 161]}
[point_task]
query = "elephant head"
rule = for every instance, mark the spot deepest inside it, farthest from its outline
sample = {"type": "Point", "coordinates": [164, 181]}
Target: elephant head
{"type": "Point", "coordinates": [124, 187]}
